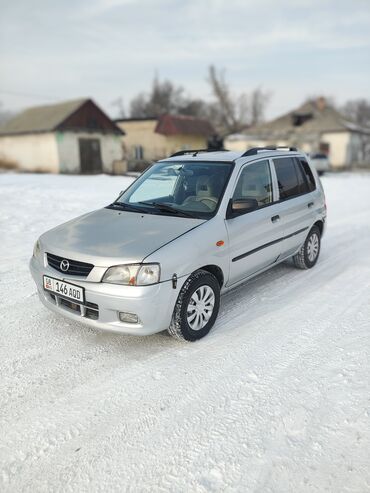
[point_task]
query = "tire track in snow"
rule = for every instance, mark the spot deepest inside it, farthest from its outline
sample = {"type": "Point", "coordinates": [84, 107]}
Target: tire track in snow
{"type": "Point", "coordinates": [209, 416]}
{"type": "Point", "coordinates": [114, 398]}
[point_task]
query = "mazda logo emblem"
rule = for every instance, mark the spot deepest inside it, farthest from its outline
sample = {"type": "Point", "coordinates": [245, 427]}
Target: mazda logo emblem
{"type": "Point", "coordinates": [64, 265]}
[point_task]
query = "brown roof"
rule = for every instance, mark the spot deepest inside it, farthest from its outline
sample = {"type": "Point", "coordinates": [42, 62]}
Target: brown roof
{"type": "Point", "coordinates": [311, 117]}
{"type": "Point", "coordinates": [186, 125]}
{"type": "Point", "coordinates": [51, 117]}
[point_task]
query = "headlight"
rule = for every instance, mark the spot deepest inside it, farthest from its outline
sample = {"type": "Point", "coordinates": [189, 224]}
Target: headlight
{"type": "Point", "coordinates": [133, 274]}
{"type": "Point", "coordinates": [36, 249]}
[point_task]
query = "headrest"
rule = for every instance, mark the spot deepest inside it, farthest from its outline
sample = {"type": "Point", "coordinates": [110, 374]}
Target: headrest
{"type": "Point", "coordinates": [204, 186]}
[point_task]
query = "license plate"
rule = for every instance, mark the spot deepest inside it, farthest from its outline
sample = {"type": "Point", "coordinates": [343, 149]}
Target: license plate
{"type": "Point", "coordinates": [65, 289]}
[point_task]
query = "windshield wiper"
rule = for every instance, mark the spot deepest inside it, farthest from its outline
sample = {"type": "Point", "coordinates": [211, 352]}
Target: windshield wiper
{"type": "Point", "coordinates": [128, 207]}
{"type": "Point", "coordinates": [168, 208]}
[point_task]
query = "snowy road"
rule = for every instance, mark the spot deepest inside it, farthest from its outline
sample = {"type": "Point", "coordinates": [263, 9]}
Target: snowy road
{"type": "Point", "coordinates": [275, 399]}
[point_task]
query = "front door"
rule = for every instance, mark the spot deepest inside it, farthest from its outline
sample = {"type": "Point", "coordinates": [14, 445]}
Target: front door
{"type": "Point", "coordinates": [255, 237]}
{"type": "Point", "coordinates": [90, 156]}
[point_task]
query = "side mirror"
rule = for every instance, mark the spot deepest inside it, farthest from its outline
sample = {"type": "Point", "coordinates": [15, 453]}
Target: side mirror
{"type": "Point", "coordinates": [241, 206]}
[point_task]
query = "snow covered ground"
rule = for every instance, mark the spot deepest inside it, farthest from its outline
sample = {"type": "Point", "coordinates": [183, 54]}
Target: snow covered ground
{"type": "Point", "coordinates": [275, 399]}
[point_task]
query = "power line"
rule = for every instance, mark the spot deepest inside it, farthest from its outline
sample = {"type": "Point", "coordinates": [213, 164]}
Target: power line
{"type": "Point", "coordinates": [28, 95]}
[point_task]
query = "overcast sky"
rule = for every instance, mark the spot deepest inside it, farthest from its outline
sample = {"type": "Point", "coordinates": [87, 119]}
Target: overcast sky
{"type": "Point", "coordinates": [106, 49]}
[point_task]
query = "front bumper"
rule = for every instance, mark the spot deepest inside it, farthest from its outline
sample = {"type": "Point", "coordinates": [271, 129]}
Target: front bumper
{"type": "Point", "coordinates": [153, 304]}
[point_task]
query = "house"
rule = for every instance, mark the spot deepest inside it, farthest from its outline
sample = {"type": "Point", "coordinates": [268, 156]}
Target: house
{"type": "Point", "coordinates": [149, 139]}
{"type": "Point", "coordinates": [69, 137]}
{"type": "Point", "coordinates": [316, 126]}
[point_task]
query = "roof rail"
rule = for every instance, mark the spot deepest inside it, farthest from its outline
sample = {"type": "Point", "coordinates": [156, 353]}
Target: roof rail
{"type": "Point", "coordinates": [255, 150]}
{"type": "Point", "coordinates": [195, 151]}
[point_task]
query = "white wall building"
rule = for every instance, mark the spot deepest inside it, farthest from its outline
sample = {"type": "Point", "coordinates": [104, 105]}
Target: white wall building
{"type": "Point", "coordinates": [70, 137]}
{"type": "Point", "coordinates": [313, 127]}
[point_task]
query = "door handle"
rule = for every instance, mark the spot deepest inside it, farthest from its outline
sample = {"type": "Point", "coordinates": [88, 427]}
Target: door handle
{"type": "Point", "coordinates": [275, 219]}
{"type": "Point", "coordinates": [310, 204]}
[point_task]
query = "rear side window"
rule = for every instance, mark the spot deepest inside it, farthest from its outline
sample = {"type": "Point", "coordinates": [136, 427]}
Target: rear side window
{"type": "Point", "coordinates": [289, 185]}
{"type": "Point", "coordinates": [308, 173]}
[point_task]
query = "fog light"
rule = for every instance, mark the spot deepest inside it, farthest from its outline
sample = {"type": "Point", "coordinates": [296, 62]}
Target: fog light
{"type": "Point", "coordinates": [128, 318]}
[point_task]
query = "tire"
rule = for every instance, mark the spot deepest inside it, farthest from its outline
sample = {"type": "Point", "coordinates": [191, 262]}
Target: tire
{"type": "Point", "coordinates": [198, 299]}
{"type": "Point", "coordinates": [307, 256]}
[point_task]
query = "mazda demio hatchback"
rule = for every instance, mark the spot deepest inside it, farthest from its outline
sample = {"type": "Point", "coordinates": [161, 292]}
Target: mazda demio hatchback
{"type": "Point", "coordinates": [190, 228]}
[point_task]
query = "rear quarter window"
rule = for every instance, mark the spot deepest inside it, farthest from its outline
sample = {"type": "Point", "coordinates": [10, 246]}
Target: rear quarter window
{"type": "Point", "coordinates": [302, 180]}
{"type": "Point", "coordinates": [308, 174]}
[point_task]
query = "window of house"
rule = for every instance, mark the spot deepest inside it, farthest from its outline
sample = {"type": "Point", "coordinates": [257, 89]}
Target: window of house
{"type": "Point", "coordinates": [287, 178]}
{"type": "Point", "coordinates": [139, 153]}
{"type": "Point", "coordinates": [255, 183]}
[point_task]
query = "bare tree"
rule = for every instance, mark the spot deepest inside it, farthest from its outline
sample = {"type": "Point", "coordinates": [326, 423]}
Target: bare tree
{"type": "Point", "coordinates": [138, 106]}
{"type": "Point", "coordinates": [258, 102]}
{"type": "Point", "coordinates": [358, 112]}
{"type": "Point", "coordinates": [225, 103]}
{"type": "Point", "coordinates": [228, 112]}
{"type": "Point", "coordinates": [118, 103]}
{"type": "Point", "coordinates": [194, 107]}
{"type": "Point", "coordinates": [164, 97]}
{"type": "Point", "coordinates": [233, 113]}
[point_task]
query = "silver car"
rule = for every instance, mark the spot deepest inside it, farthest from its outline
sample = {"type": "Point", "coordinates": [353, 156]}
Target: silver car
{"type": "Point", "coordinates": [190, 228]}
{"type": "Point", "coordinates": [320, 162]}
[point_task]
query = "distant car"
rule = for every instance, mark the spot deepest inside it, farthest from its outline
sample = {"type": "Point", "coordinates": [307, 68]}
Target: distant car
{"type": "Point", "coordinates": [321, 162]}
{"type": "Point", "coordinates": [190, 228]}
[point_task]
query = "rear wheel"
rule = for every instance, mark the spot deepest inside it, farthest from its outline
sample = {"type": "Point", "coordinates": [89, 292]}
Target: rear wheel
{"type": "Point", "coordinates": [307, 256]}
{"type": "Point", "coordinates": [196, 307]}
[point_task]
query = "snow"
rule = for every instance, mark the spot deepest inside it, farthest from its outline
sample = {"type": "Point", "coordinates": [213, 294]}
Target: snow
{"type": "Point", "coordinates": [275, 399]}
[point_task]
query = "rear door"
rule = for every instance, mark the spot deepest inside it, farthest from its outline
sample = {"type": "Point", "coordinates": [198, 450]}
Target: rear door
{"type": "Point", "coordinates": [255, 237]}
{"type": "Point", "coordinates": [296, 201]}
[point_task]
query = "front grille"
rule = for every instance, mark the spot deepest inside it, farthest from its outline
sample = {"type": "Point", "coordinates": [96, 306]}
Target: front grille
{"type": "Point", "coordinates": [76, 268]}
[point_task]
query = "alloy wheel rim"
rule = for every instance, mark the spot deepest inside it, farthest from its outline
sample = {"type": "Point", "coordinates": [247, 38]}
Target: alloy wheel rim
{"type": "Point", "coordinates": [313, 247]}
{"type": "Point", "coordinates": [200, 307]}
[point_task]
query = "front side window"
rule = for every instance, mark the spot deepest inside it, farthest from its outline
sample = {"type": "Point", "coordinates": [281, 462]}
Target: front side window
{"type": "Point", "coordinates": [190, 188]}
{"type": "Point", "coordinates": [255, 183]}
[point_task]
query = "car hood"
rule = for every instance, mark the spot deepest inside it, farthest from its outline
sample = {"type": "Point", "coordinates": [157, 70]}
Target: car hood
{"type": "Point", "coordinates": [106, 237]}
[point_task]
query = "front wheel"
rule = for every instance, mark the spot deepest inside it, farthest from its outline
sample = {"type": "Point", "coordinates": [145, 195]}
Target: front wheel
{"type": "Point", "coordinates": [196, 307]}
{"type": "Point", "coordinates": [307, 256]}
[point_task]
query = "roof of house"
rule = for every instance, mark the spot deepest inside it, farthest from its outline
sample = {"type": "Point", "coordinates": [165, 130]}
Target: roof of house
{"type": "Point", "coordinates": [48, 118]}
{"type": "Point", "coordinates": [311, 117]}
{"type": "Point", "coordinates": [185, 125]}
{"type": "Point", "coordinates": [137, 119]}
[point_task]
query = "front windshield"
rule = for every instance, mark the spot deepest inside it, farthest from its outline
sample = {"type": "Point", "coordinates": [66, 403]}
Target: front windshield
{"type": "Point", "coordinates": [193, 189]}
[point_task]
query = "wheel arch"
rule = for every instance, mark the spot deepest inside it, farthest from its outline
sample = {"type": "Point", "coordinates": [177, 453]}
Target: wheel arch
{"type": "Point", "coordinates": [216, 271]}
{"type": "Point", "coordinates": [320, 225]}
